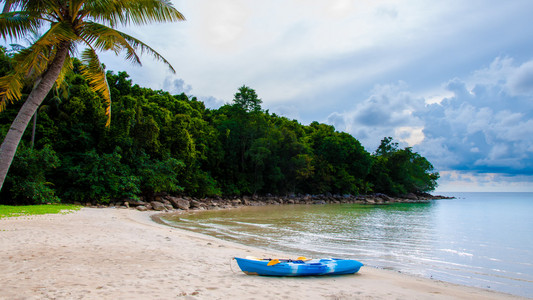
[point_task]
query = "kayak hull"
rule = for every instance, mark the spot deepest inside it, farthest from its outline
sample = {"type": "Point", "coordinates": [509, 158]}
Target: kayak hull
{"type": "Point", "coordinates": [326, 266]}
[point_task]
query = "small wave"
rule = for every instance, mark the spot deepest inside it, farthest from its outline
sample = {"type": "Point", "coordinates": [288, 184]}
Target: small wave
{"type": "Point", "coordinates": [457, 252]}
{"type": "Point", "coordinates": [253, 224]}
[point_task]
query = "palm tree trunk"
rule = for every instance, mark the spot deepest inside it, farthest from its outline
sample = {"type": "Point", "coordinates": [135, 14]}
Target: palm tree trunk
{"type": "Point", "coordinates": [33, 128]}
{"type": "Point", "coordinates": [28, 109]}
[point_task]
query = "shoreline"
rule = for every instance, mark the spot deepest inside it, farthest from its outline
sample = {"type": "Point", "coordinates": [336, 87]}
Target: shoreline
{"type": "Point", "coordinates": [115, 253]}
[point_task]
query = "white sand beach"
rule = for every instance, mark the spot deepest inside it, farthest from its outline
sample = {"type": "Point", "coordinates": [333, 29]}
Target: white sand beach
{"type": "Point", "coordinates": [122, 254]}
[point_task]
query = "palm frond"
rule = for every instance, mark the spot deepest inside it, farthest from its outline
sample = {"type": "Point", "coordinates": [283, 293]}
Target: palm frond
{"type": "Point", "coordinates": [137, 44]}
{"type": "Point", "coordinates": [16, 25]}
{"type": "Point", "coordinates": [75, 7]}
{"type": "Point", "coordinates": [10, 89]}
{"type": "Point", "coordinates": [26, 63]}
{"type": "Point", "coordinates": [36, 58]}
{"type": "Point", "coordinates": [32, 62]}
{"type": "Point", "coordinates": [11, 5]}
{"type": "Point", "coordinates": [138, 12]}
{"type": "Point", "coordinates": [94, 72]}
{"type": "Point", "coordinates": [40, 6]}
{"type": "Point", "coordinates": [146, 11]}
{"type": "Point", "coordinates": [105, 38]}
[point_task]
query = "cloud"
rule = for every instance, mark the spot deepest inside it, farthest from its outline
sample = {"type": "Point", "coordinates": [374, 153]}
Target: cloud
{"type": "Point", "coordinates": [521, 81]}
{"type": "Point", "coordinates": [176, 86]}
{"type": "Point", "coordinates": [483, 126]}
{"type": "Point", "coordinates": [487, 128]}
{"type": "Point", "coordinates": [389, 111]}
{"type": "Point", "coordinates": [211, 102]}
{"type": "Point", "coordinates": [459, 181]}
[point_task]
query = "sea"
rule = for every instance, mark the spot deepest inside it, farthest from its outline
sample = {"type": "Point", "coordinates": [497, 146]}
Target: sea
{"type": "Point", "coordinates": [477, 239]}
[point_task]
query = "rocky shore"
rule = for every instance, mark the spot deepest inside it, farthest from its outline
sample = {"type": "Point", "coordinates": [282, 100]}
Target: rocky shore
{"type": "Point", "coordinates": [165, 202]}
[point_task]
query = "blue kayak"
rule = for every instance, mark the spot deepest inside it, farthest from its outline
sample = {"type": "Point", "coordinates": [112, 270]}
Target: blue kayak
{"type": "Point", "coordinates": [301, 267]}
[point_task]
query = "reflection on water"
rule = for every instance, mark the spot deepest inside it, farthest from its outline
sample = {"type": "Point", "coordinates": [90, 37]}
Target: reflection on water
{"type": "Point", "coordinates": [426, 239]}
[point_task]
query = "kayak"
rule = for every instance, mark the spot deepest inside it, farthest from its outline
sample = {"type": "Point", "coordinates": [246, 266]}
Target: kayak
{"type": "Point", "coordinates": [299, 267]}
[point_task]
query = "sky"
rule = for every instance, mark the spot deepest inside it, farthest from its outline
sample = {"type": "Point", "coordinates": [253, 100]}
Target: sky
{"type": "Point", "coordinates": [453, 79]}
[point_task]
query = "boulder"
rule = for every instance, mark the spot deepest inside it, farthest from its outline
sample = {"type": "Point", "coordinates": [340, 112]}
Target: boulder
{"type": "Point", "coordinates": [410, 196]}
{"type": "Point", "coordinates": [179, 203]}
{"type": "Point", "coordinates": [133, 202]}
{"type": "Point", "coordinates": [382, 197]}
{"type": "Point", "coordinates": [157, 206]}
{"type": "Point", "coordinates": [196, 204]}
{"type": "Point", "coordinates": [370, 200]}
{"type": "Point", "coordinates": [142, 208]}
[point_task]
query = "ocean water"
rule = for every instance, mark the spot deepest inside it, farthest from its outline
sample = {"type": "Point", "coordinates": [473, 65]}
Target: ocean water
{"type": "Point", "coordinates": [478, 239]}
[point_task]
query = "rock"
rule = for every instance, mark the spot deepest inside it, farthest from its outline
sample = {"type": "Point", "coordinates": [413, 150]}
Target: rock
{"type": "Point", "coordinates": [142, 208]}
{"type": "Point", "coordinates": [133, 202]}
{"type": "Point", "coordinates": [127, 204]}
{"type": "Point", "coordinates": [157, 206]}
{"type": "Point", "coordinates": [179, 203]}
{"type": "Point", "coordinates": [410, 196]}
{"type": "Point", "coordinates": [319, 202]}
{"type": "Point", "coordinates": [196, 204]}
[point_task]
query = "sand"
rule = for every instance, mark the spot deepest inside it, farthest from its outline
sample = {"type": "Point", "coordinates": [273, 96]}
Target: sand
{"type": "Point", "coordinates": [116, 253]}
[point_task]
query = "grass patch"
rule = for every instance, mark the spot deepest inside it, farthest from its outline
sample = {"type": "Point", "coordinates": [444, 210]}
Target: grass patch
{"type": "Point", "coordinates": [7, 211]}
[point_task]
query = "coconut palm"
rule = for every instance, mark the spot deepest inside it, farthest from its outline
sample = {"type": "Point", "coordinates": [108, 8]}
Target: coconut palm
{"type": "Point", "coordinates": [69, 24]}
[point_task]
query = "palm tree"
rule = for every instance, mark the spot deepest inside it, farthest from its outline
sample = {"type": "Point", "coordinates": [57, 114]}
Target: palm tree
{"type": "Point", "coordinates": [69, 24]}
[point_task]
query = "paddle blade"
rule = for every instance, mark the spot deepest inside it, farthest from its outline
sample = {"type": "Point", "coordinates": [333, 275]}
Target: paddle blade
{"type": "Point", "coordinates": [273, 262]}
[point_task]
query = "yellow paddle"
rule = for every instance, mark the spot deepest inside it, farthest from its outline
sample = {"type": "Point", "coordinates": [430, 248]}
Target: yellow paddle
{"type": "Point", "coordinates": [276, 261]}
{"type": "Point", "coordinates": [273, 262]}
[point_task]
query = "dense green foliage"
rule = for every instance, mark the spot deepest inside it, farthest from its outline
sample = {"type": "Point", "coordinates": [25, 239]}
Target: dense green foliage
{"type": "Point", "coordinates": [158, 142]}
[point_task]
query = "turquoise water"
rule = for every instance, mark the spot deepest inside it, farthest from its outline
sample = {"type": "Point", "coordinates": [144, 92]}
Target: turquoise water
{"type": "Point", "coordinates": [478, 239]}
